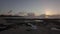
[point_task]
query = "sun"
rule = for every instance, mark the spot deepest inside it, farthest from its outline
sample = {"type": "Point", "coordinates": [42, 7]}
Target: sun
{"type": "Point", "coordinates": [48, 12]}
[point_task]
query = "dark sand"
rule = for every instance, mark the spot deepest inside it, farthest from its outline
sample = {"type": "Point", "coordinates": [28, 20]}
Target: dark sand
{"type": "Point", "coordinates": [22, 30]}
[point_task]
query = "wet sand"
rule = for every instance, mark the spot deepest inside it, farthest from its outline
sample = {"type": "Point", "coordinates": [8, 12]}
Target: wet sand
{"type": "Point", "coordinates": [22, 30]}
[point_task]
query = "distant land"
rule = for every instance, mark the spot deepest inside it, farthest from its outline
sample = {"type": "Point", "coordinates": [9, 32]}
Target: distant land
{"type": "Point", "coordinates": [41, 16]}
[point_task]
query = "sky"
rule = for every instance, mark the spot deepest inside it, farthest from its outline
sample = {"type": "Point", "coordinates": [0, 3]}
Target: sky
{"type": "Point", "coordinates": [38, 7]}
